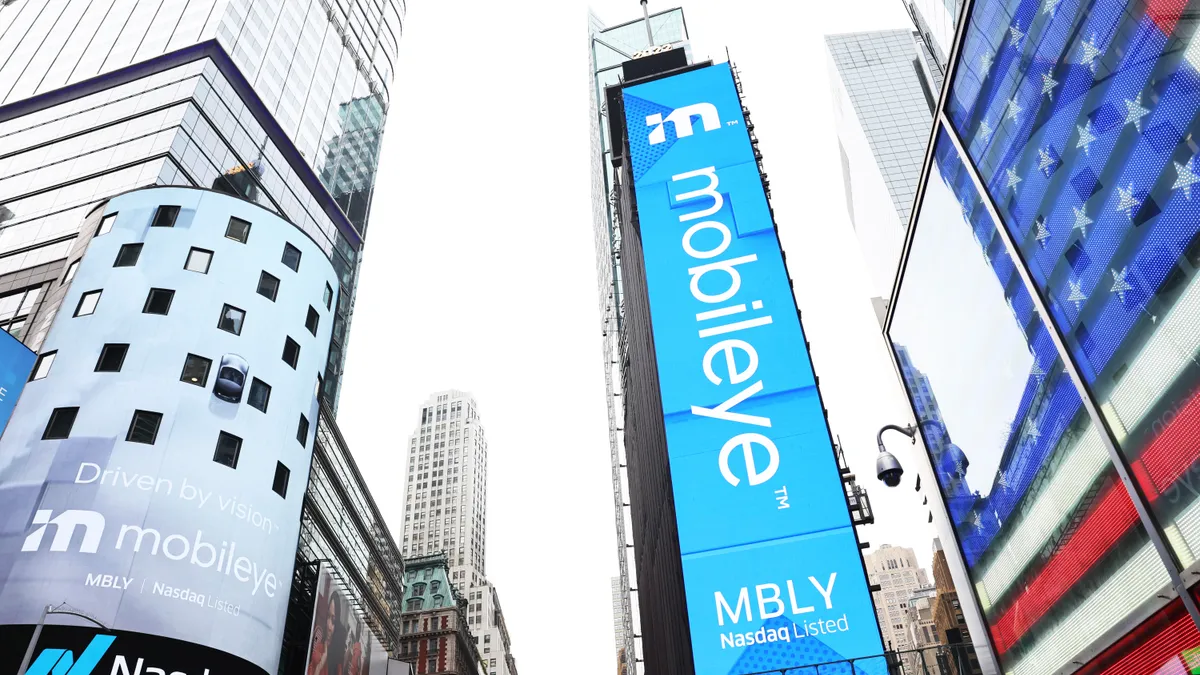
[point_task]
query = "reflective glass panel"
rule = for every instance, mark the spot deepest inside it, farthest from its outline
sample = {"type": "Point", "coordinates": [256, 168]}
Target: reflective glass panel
{"type": "Point", "coordinates": [1083, 124]}
{"type": "Point", "coordinates": [1052, 541]}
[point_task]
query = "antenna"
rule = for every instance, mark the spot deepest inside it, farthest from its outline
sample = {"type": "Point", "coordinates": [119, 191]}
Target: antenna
{"type": "Point", "coordinates": [646, 16]}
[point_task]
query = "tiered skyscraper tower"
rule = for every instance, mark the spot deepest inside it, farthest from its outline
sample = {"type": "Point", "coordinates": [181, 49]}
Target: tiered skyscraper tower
{"type": "Point", "coordinates": [445, 510]}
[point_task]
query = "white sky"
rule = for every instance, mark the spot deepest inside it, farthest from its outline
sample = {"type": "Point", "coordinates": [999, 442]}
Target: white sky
{"type": "Point", "coordinates": [479, 275]}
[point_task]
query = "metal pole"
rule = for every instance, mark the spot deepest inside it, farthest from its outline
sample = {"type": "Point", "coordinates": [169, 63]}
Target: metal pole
{"type": "Point", "coordinates": [37, 633]}
{"type": "Point", "coordinates": [646, 16]}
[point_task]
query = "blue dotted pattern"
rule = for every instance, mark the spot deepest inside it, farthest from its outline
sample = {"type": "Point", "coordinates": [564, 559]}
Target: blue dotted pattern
{"type": "Point", "coordinates": [642, 154]}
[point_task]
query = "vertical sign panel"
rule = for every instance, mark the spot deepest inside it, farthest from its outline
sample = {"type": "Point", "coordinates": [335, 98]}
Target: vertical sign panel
{"type": "Point", "coordinates": [16, 362]}
{"type": "Point", "coordinates": [772, 571]}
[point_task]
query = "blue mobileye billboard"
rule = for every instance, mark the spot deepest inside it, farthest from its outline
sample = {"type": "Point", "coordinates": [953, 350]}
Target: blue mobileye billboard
{"type": "Point", "coordinates": [16, 363]}
{"type": "Point", "coordinates": [771, 565]}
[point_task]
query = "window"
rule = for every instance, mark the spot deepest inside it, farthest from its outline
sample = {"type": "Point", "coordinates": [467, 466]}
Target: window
{"type": "Point", "coordinates": [291, 352]}
{"type": "Point", "coordinates": [291, 257]}
{"type": "Point", "coordinates": [158, 301]}
{"type": "Point", "coordinates": [237, 230]}
{"type": "Point", "coordinates": [112, 356]}
{"type": "Point", "coordinates": [229, 447]}
{"type": "Point", "coordinates": [260, 394]}
{"type": "Point", "coordinates": [231, 319]}
{"type": "Point", "coordinates": [42, 368]}
{"type": "Point", "coordinates": [487, 638]}
{"type": "Point", "coordinates": [143, 428]}
{"type": "Point", "coordinates": [198, 260]}
{"type": "Point", "coordinates": [128, 255]}
{"type": "Point", "coordinates": [87, 303]}
{"type": "Point", "coordinates": [195, 370]}
{"type": "Point", "coordinates": [302, 431]}
{"type": "Point", "coordinates": [414, 604]}
{"type": "Point", "coordinates": [71, 270]}
{"type": "Point", "coordinates": [281, 479]}
{"type": "Point", "coordinates": [165, 216]}
{"type": "Point", "coordinates": [61, 421]}
{"type": "Point", "coordinates": [312, 320]}
{"type": "Point", "coordinates": [106, 224]}
{"type": "Point", "coordinates": [268, 286]}
{"type": "Point", "coordinates": [328, 296]}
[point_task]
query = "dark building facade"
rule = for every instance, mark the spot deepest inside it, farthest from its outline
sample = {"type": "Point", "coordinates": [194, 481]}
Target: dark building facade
{"type": "Point", "coordinates": [1047, 297]}
{"type": "Point", "coordinates": [435, 637]}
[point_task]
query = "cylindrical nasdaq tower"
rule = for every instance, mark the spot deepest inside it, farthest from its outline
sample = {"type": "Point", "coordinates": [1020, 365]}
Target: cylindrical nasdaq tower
{"type": "Point", "coordinates": [153, 471]}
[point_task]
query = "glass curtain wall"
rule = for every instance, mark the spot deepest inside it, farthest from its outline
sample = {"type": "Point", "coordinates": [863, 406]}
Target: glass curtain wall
{"type": "Point", "coordinates": [1079, 119]}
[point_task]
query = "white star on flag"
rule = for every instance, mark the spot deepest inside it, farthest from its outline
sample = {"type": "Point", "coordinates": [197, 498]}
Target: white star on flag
{"type": "Point", "coordinates": [1031, 429]}
{"type": "Point", "coordinates": [966, 209]}
{"type": "Point", "coordinates": [1015, 35]}
{"type": "Point", "coordinates": [1014, 109]}
{"type": "Point", "coordinates": [958, 467]}
{"type": "Point", "coordinates": [1037, 371]}
{"type": "Point", "coordinates": [977, 521]}
{"type": "Point", "coordinates": [1134, 112]}
{"type": "Point", "coordinates": [1081, 220]}
{"type": "Point", "coordinates": [1126, 201]}
{"type": "Point", "coordinates": [1120, 286]}
{"type": "Point", "coordinates": [1048, 85]}
{"type": "Point", "coordinates": [985, 130]}
{"type": "Point", "coordinates": [1001, 482]}
{"type": "Point", "coordinates": [1076, 295]}
{"type": "Point", "coordinates": [1090, 52]}
{"type": "Point", "coordinates": [1042, 234]}
{"type": "Point", "coordinates": [1187, 177]}
{"type": "Point", "coordinates": [1085, 137]}
{"type": "Point", "coordinates": [1050, 6]}
{"type": "Point", "coordinates": [1013, 179]}
{"type": "Point", "coordinates": [1044, 159]}
{"type": "Point", "coordinates": [985, 61]}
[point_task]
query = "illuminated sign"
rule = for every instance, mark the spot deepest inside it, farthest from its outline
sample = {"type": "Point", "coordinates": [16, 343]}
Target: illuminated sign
{"type": "Point", "coordinates": [16, 362]}
{"type": "Point", "coordinates": [772, 571]}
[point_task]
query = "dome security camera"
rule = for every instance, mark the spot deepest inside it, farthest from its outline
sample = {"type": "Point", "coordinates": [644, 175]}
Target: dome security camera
{"type": "Point", "coordinates": [888, 468]}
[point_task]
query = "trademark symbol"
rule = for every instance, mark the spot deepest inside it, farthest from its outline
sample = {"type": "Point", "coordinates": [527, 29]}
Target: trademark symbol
{"type": "Point", "coordinates": [731, 123]}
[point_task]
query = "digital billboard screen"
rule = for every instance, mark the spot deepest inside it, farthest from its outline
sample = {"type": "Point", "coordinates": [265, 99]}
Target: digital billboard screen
{"type": "Point", "coordinates": [161, 490]}
{"type": "Point", "coordinates": [341, 643]}
{"type": "Point", "coordinates": [16, 362]}
{"type": "Point", "coordinates": [772, 572]}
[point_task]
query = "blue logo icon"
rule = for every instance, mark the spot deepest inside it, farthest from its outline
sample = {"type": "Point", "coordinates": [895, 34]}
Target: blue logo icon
{"type": "Point", "coordinates": [62, 661]}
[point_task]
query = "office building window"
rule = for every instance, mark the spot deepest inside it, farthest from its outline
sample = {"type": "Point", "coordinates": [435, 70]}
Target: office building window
{"type": "Point", "coordinates": [198, 260]}
{"type": "Point", "coordinates": [302, 431]}
{"type": "Point", "coordinates": [268, 286]}
{"type": "Point", "coordinates": [165, 216]}
{"type": "Point", "coordinates": [127, 255]}
{"type": "Point", "coordinates": [280, 484]}
{"type": "Point", "coordinates": [231, 319]}
{"type": "Point", "coordinates": [312, 320]}
{"type": "Point", "coordinates": [291, 257]}
{"type": "Point", "coordinates": [158, 301]}
{"type": "Point", "coordinates": [260, 394]}
{"type": "Point", "coordinates": [71, 270]}
{"type": "Point", "coordinates": [291, 352]}
{"type": "Point", "coordinates": [143, 428]}
{"type": "Point", "coordinates": [237, 230]}
{"type": "Point", "coordinates": [61, 421]}
{"type": "Point", "coordinates": [112, 357]}
{"type": "Point", "coordinates": [328, 296]}
{"type": "Point", "coordinates": [106, 224]}
{"type": "Point", "coordinates": [229, 448]}
{"type": "Point", "coordinates": [87, 303]}
{"type": "Point", "coordinates": [42, 368]}
{"type": "Point", "coordinates": [195, 370]}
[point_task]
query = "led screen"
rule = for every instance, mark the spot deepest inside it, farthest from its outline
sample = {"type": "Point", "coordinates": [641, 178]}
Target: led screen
{"type": "Point", "coordinates": [16, 362]}
{"type": "Point", "coordinates": [341, 642]}
{"type": "Point", "coordinates": [772, 571]}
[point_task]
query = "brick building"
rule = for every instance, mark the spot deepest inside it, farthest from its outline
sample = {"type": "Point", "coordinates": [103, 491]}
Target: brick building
{"type": "Point", "coordinates": [435, 637]}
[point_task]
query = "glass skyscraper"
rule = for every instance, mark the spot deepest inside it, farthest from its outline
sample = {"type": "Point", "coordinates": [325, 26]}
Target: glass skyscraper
{"type": "Point", "coordinates": [282, 103]}
{"type": "Point", "coordinates": [608, 48]}
{"type": "Point", "coordinates": [1044, 324]}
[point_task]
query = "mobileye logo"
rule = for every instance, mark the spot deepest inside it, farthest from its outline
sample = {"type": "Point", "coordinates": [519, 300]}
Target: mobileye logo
{"type": "Point", "coordinates": [727, 348]}
{"type": "Point", "coordinates": [62, 661]}
{"type": "Point", "coordinates": [65, 524]}
{"type": "Point", "coordinates": [681, 119]}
